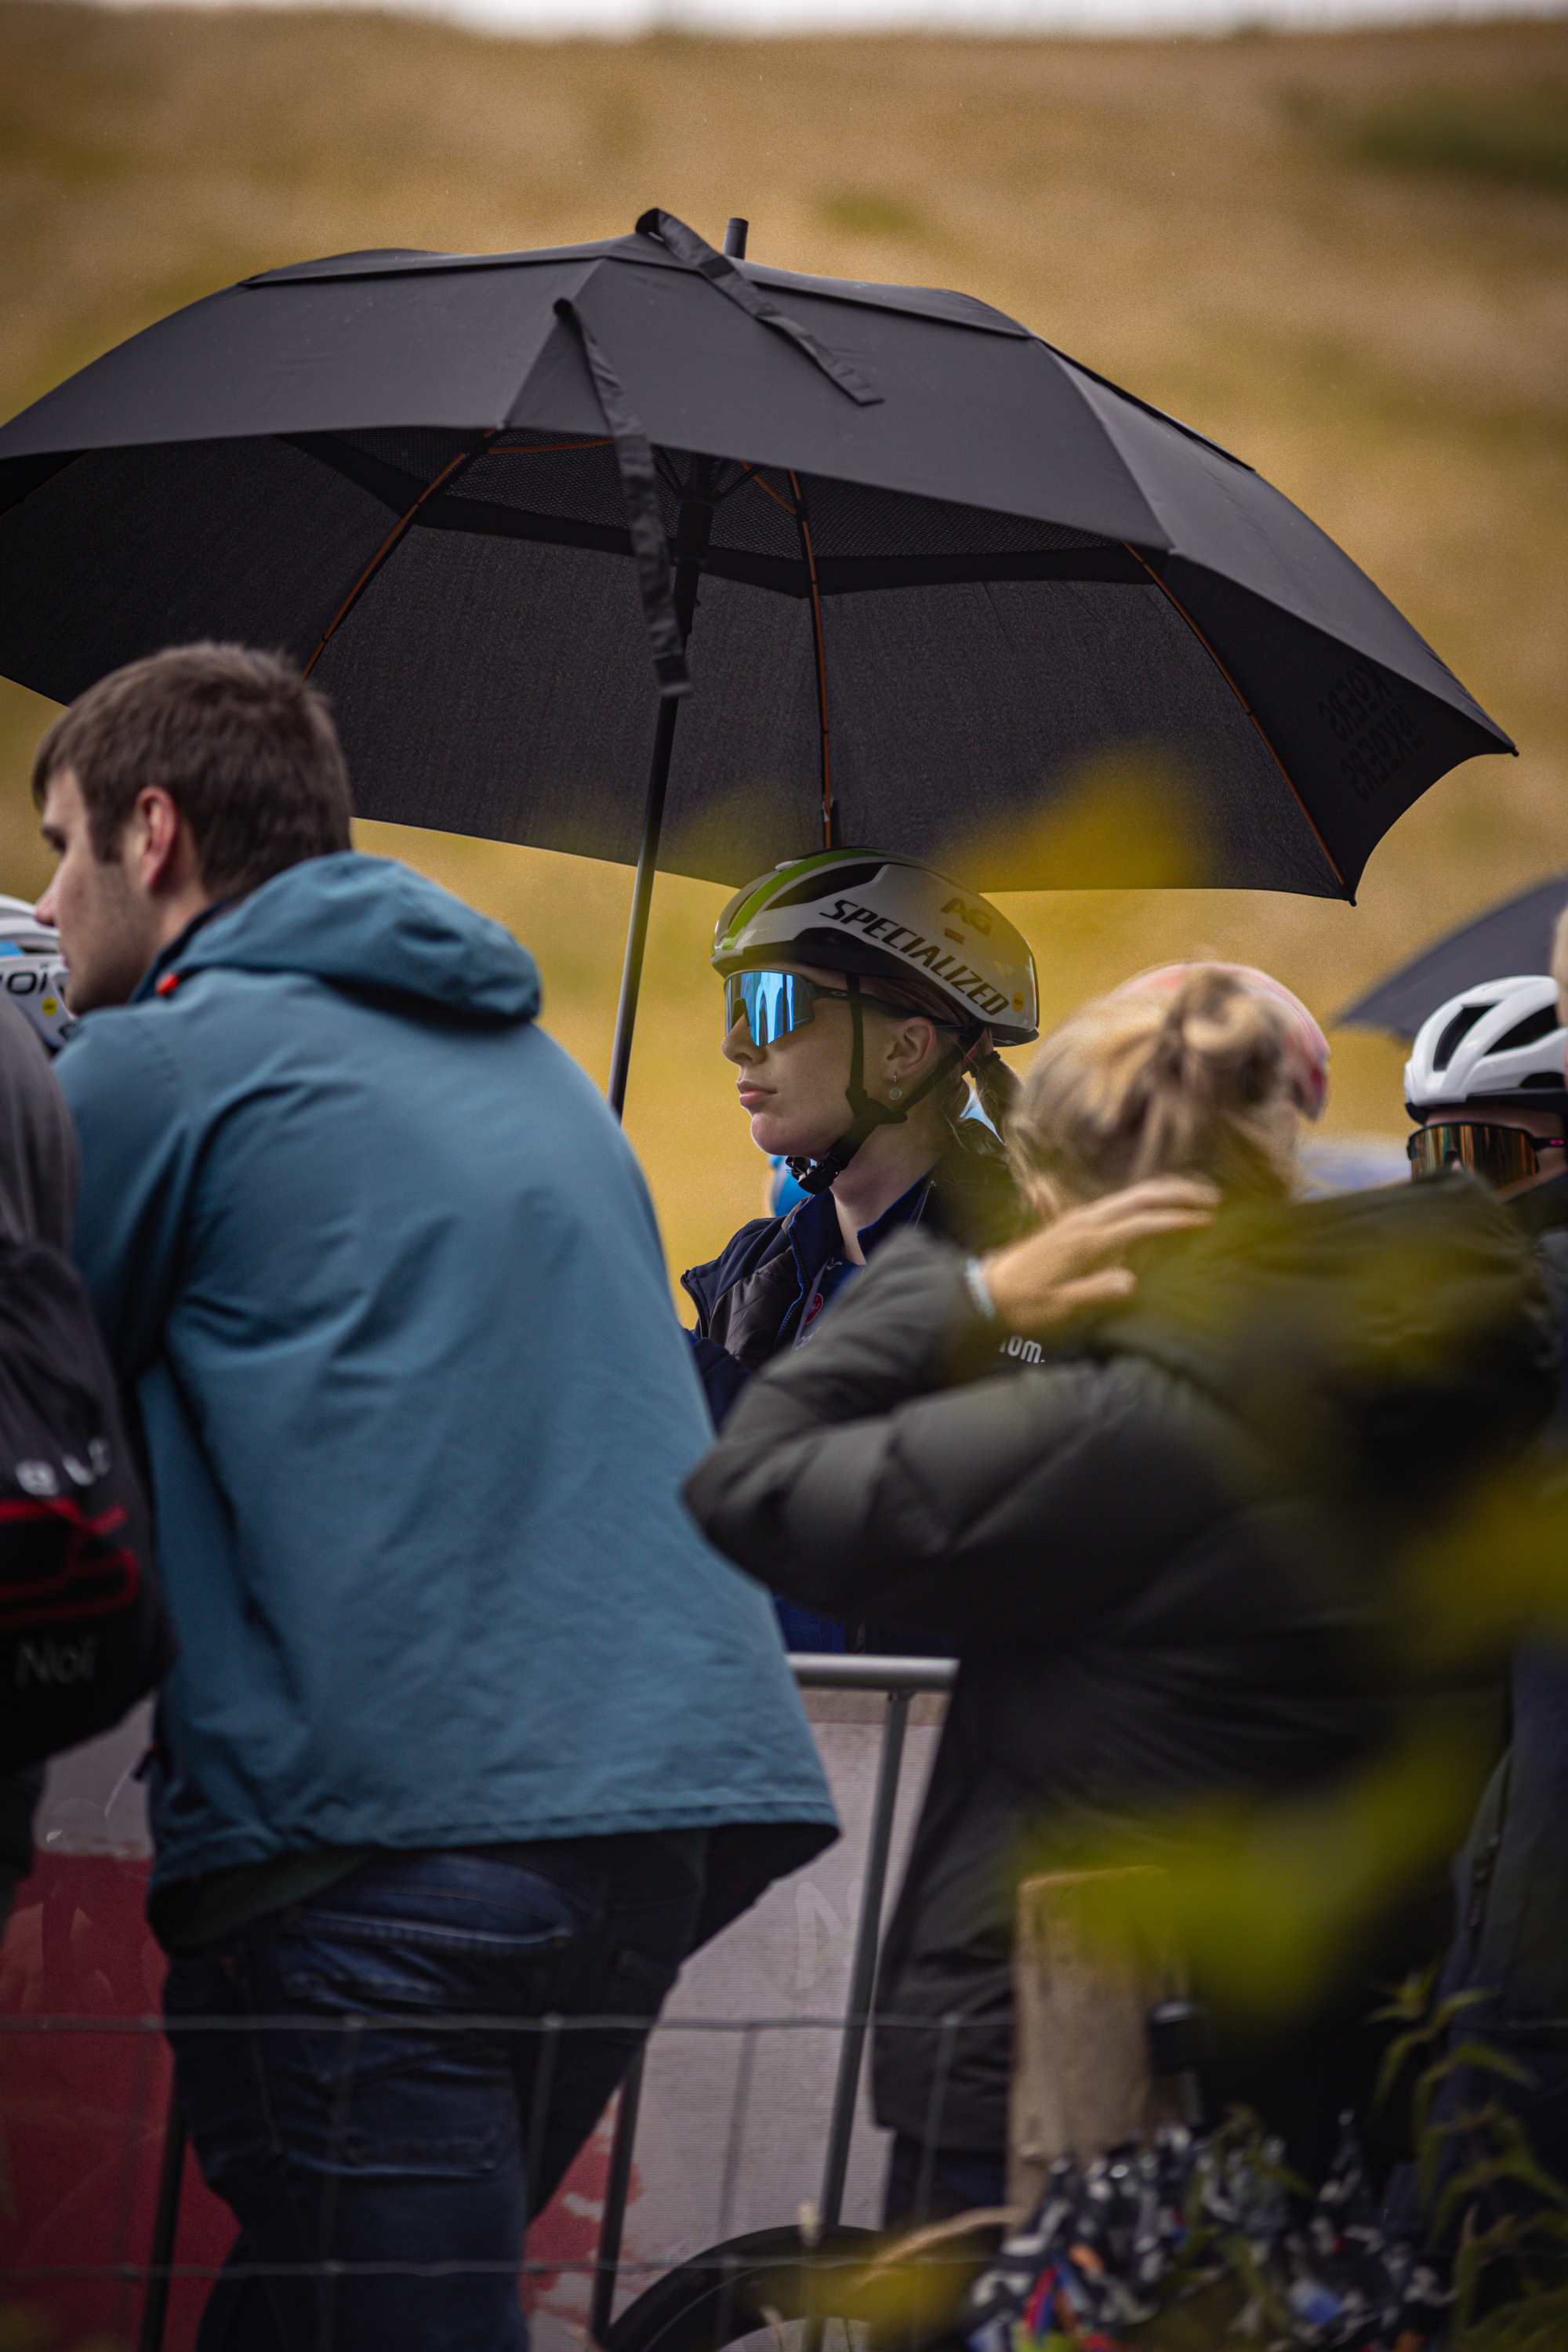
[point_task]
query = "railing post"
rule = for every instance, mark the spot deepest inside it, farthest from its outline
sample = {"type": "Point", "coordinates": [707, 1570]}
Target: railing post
{"type": "Point", "coordinates": [166, 2225]}
{"type": "Point", "coordinates": [607, 2262]}
{"type": "Point", "coordinates": [863, 1965]}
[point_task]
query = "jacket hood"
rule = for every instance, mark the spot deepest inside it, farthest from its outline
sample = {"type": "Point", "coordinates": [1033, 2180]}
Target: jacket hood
{"type": "Point", "coordinates": [1389, 1340]}
{"type": "Point", "coordinates": [364, 923]}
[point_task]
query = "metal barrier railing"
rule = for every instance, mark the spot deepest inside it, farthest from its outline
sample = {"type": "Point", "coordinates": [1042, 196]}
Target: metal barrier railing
{"type": "Point", "coordinates": [901, 1679]}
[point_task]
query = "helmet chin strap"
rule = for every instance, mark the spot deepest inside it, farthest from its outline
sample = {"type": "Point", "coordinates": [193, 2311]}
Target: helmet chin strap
{"type": "Point", "coordinates": [815, 1174]}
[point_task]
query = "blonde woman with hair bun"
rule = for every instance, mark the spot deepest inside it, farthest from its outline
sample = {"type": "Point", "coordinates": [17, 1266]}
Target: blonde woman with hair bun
{"type": "Point", "coordinates": [1144, 1472]}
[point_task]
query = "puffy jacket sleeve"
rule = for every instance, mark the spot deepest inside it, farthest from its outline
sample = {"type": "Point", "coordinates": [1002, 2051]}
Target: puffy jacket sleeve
{"type": "Point", "coordinates": [854, 1477]}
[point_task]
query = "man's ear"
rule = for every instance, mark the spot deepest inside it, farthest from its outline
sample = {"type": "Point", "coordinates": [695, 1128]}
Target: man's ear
{"type": "Point", "coordinates": [156, 842]}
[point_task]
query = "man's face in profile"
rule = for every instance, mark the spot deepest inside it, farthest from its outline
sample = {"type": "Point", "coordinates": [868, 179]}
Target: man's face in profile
{"type": "Point", "coordinates": [106, 924]}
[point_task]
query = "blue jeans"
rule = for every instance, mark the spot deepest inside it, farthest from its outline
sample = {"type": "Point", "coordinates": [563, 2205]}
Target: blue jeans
{"type": "Point", "coordinates": [408, 2159]}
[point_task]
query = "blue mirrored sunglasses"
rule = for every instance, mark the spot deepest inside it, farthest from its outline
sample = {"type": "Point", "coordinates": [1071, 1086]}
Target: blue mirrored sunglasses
{"type": "Point", "coordinates": [771, 1004]}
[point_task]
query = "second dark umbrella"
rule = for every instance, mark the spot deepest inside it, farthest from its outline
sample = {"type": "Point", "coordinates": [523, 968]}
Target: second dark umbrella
{"type": "Point", "coordinates": [1513, 938]}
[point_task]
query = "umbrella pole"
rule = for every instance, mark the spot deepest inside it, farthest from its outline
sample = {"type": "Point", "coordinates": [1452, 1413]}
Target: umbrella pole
{"type": "Point", "coordinates": [642, 896]}
{"type": "Point", "coordinates": [693, 525]}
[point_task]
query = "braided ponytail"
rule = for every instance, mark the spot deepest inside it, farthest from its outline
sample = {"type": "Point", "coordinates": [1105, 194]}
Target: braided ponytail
{"type": "Point", "coordinates": [996, 1088]}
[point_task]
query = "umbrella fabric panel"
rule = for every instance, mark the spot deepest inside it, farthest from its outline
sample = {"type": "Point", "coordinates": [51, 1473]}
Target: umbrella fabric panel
{"type": "Point", "coordinates": [1097, 693]}
{"type": "Point", "coordinates": [546, 708]}
{"type": "Point", "coordinates": [1215, 512]}
{"type": "Point", "coordinates": [1361, 741]}
{"type": "Point", "coordinates": [853, 524]}
{"type": "Point", "coordinates": [979, 418]}
{"type": "Point", "coordinates": [112, 557]}
{"type": "Point", "coordinates": [312, 358]}
{"type": "Point", "coordinates": [919, 301]}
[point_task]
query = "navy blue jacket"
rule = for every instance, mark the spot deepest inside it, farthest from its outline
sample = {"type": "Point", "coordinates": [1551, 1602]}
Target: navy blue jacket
{"type": "Point", "coordinates": [753, 1299]}
{"type": "Point", "coordinates": [779, 1274]}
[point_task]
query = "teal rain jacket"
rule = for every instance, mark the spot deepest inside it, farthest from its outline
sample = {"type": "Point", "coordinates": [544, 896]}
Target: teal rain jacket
{"type": "Point", "coordinates": [388, 1280]}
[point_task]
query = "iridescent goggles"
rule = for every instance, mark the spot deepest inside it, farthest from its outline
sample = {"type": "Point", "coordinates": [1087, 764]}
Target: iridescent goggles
{"type": "Point", "coordinates": [1503, 1155]}
{"type": "Point", "coordinates": [773, 1002]}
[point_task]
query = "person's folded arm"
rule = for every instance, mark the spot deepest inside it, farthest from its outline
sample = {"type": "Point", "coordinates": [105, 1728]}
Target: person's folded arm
{"type": "Point", "coordinates": [852, 1479]}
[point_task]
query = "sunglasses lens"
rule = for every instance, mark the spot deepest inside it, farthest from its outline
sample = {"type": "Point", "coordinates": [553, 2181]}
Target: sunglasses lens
{"type": "Point", "coordinates": [1502, 1155]}
{"type": "Point", "coordinates": [771, 1003]}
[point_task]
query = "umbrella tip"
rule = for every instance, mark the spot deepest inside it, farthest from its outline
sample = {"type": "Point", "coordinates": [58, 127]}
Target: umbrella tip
{"type": "Point", "coordinates": [735, 237]}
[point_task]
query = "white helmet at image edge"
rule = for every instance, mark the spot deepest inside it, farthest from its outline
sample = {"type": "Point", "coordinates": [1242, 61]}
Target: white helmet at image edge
{"type": "Point", "coordinates": [1503, 1041]}
{"type": "Point", "coordinates": [33, 972]}
{"type": "Point", "coordinates": [859, 910]}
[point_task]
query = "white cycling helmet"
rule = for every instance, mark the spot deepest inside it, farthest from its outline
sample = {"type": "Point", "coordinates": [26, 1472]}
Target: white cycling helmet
{"type": "Point", "coordinates": [1502, 1042]}
{"type": "Point", "coordinates": [858, 910]}
{"type": "Point", "coordinates": [873, 916]}
{"type": "Point", "coordinates": [33, 972]}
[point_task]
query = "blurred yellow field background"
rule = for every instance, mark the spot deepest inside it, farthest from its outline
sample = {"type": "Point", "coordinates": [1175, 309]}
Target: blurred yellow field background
{"type": "Point", "coordinates": [1345, 257]}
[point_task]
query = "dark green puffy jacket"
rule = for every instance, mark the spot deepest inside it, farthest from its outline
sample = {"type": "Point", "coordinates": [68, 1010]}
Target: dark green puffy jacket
{"type": "Point", "coordinates": [1163, 1554]}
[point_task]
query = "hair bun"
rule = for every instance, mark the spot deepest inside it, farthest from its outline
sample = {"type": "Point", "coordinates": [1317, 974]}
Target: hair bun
{"type": "Point", "coordinates": [1192, 1075]}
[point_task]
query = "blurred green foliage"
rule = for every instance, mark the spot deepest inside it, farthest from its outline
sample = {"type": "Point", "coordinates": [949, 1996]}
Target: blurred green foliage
{"type": "Point", "coordinates": [1271, 1902]}
{"type": "Point", "coordinates": [1518, 137]}
{"type": "Point", "coordinates": [1514, 138]}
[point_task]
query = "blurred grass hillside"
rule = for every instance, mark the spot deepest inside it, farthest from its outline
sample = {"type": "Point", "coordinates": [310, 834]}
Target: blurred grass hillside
{"type": "Point", "coordinates": [1345, 257]}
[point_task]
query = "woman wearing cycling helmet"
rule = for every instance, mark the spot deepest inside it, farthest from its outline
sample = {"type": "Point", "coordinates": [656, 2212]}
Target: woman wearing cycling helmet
{"type": "Point", "coordinates": [1158, 1540]}
{"type": "Point", "coordinates": [863, 996]}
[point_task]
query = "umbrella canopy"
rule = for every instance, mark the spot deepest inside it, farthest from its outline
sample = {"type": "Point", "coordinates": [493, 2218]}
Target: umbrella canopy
{"type": "Point", "coordinates": [945, 572]}
{"type": "Point", "coordinates": [993, 571]}
{"type": "Point", "coordinates": [1513, 938]}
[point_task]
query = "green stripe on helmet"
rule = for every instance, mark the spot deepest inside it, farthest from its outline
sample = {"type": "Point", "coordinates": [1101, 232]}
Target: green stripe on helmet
{"type": "Point", "coordinates": [783, 875]}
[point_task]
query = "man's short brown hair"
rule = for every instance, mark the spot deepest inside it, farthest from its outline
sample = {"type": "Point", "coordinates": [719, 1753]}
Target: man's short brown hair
{"type": "Point", "coordinates": [245, 749]}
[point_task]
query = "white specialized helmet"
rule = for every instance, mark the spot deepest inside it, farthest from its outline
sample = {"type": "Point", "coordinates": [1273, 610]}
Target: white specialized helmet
{"type": "Point", "coordinates": [1502, 1042]}
{"type": "Point", "coordinates": [33, 972]}
{"type": "Point", "coordinates": [864, 911]}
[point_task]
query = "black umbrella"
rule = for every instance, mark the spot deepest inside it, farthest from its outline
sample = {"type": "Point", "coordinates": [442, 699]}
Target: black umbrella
{"type": "Point", "coordinates": [1513, 938]}
{"type": "Point", "coordinates": [943, 569]}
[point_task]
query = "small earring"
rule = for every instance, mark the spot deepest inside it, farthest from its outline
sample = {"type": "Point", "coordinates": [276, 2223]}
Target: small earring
{"type": "Point", "coordinates": [895, 1092]}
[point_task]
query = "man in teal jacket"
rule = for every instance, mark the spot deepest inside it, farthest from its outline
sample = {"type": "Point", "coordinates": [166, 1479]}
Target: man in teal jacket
{"type": "Point", "coordinates": [467, 1719]}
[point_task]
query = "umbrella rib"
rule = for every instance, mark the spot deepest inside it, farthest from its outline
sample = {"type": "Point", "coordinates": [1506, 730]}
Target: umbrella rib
{"type": "Point", "coordinates": [464, 458]}
{"type": "Point", "coordinates": [1170, 593]}
{"type": "Point", "coordinates": [804, 525]}
{"type": "Point", "coordinates": [554, 448]}
{"type": "Point", "coordinates": [768, 489]}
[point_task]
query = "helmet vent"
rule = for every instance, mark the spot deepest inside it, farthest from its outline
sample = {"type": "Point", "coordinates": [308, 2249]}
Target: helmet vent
{"type": "Point", "coordinates": [1458, 1028]}
{"type": "Point", "coordinates": [1553, 1078]}
{"type": "Point", "coordinates": [812, 887]}
{"type": "Point", "coordinates": [1528, 1032]}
